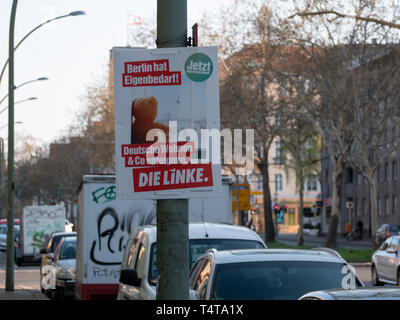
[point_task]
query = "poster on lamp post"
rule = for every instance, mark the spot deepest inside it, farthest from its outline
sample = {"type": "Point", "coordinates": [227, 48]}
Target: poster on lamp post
{"type": "Point", "coordinates": [167, 123]}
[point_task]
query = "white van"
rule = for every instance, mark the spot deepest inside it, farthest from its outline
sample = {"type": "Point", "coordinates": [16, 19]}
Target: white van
{"type": "Point", "coordinates": [140, 253]}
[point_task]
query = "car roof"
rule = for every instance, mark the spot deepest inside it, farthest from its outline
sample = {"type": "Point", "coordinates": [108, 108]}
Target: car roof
{"type": "Point", "coordinates": [258, 255]}
{"type": "Point", "coordinates": [209, 230]}
{"type": "Point", "coordinates": [63, 234]}
{"type": "Point", "coordinates": [68, 239]}
{"type": "Point", "coordinates": [359, 294]}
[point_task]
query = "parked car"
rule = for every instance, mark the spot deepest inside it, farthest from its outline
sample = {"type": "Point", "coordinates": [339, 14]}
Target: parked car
{"type": "Point", "coordinates": [4, 221]}
{"type": "Point", "coordinates": [267, 274]}
{"type": "Point", "coordinates": [64, 263]}
{"type": "Point", "coordinates": [139, 272]}
{"type": "Point", "coordinates": [48, 252]}
{"type": "Point", "coordinates": [385, 266]}
{"type": "Point", "coordinates": [355, 294]}
{"type": "Point", "coordinates": [387, 230]}
{"type": "Point", "coordinates": [3, 235]}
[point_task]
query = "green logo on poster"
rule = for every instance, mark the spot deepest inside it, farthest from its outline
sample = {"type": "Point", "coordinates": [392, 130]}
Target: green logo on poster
{"type": "Point", "coordinates": [198, 67]}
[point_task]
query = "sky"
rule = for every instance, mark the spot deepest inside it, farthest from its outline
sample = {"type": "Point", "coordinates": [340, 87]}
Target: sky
{"type": "Point", "coordinates": [72, 52]}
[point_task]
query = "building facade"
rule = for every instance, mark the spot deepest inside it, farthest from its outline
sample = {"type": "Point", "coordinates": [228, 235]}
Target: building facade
{"type": "Point", "coordinates": [284, 191]}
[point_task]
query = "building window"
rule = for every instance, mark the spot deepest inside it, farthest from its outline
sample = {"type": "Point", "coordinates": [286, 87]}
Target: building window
{"type": "Point", "coordinates": [379, 173]}
{"type": "Point", "coordinates": [277, 152]}
{"type": "Point", "coordinates": [357, 206]}
{"type": "Point", "coordinates": [394, 205]}
{"type": "Point", "coordinates": [278, 182]}
{"type": "Point", "coordinates": [259, 182]}
{"type": "Point", "coordinates": [311, 184]}
{"type": "Point", "coordinates": [363, 207]}
{"type": "Point", "coordinates": [349, 175]}
{"type": "Point", "coordinates": [379, 206]}
{"type": "Point", "coordinates": [387, 205]}
{"type": "Point", "coordinates": [386, 171]}
{"type": "Point", "coordinates": [394, 170]}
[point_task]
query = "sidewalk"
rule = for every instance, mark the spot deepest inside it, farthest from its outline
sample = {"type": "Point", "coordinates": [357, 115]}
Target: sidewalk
{"type": "Point", "coordinates": [291, 238]}
{"type": "Point", "coordinates": [21, 293]}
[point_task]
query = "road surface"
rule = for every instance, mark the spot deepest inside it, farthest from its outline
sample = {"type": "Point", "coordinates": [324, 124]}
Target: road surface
{"type": "Point", "coordinates": [25, 277]}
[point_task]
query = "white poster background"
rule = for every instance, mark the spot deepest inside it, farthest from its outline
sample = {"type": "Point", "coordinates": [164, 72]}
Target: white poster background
{"type": "Point", "coordinates": [192, 104]}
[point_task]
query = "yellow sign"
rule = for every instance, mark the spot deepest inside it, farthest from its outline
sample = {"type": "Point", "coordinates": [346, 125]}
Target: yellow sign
{"type": "Point", "coordinates": [244, 196]}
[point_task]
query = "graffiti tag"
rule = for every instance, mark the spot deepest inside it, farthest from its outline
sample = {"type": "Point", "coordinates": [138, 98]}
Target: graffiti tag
{"type": "Point", "coordinates": [108, 194]}
{"type": "Point", "coordinates": [113, 232]}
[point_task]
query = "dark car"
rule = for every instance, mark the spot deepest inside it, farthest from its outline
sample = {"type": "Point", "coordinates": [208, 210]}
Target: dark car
{"type": "Point", "coordinates": [387, 230]}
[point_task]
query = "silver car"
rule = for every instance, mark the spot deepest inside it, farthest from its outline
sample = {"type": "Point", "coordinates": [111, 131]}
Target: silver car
{"type": "Point", "coordinates": [268, 274]}
{"type": "Point", "coordinates": [3, 235]}
{"type": "Point", "coordinates": [385, 267]}
{"type": "Point", "coordinates": [354, 294]}
{"type": "Point", "coordinates": [64, 264]}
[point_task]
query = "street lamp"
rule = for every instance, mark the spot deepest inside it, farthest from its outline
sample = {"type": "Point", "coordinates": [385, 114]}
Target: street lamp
{"type": "Point", "coordinates": [24, 83]}
{"type": "Point", "coordinates": [29, 99]}
{"type": "Point", "coordinates": [10, 171]}
{"type": "Point", "coordinates": [71, 14]}
{"type": "Point", "coordinates": [16, 122]}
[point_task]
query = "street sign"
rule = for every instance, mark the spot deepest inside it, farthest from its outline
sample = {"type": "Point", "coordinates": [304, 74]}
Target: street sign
{"type": "Point", "coordinates": [165, 100]}
{"type": "Point", "coordinates": [244, 197]}
{"type": "Point", "coordinates": [349, 204]}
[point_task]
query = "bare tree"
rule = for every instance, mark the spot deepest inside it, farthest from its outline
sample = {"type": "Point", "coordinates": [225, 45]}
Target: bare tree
{"type": "Point", "coordinates": [249, 42]}
{"type": "Point", "coordinates": [355, 67]}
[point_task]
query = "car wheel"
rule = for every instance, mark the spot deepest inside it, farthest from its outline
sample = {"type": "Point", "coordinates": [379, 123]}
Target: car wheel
{"type": "Point", "coordinates": [374, 277]}
{"type": "Point", "coordinates": [59, 293]}
{"type": "Point", "coordinates": [398, 277]}
{"type": "Point", "coordinates": [18, 262]}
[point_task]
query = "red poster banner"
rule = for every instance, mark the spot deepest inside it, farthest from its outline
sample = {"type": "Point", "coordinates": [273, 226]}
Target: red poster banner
{"type": "Point", "coordinates": [172, 177]}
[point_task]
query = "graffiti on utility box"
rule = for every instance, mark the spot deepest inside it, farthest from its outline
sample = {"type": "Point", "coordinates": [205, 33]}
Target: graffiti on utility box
{"type": "Point", "coordinates": [105, 227]}
{"type": "Point", "coordinates": [39, 222]}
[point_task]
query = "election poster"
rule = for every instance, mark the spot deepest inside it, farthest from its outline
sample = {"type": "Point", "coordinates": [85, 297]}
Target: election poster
{"type": "Point", "coordinates": [167, 123]}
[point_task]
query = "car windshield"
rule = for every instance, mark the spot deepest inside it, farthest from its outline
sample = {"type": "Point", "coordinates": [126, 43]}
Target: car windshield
{"type": "Point", "coordinates": [394, 228]}
{"type": "Point", "coordinates": [3, 229]}
{"type": "Point", "coordinates": [54, 242]}
{"type": "Point", "coordinates": [68, 250]}
{"type": "Point", "coordinates": [275, 280]}
{"type": "Point", "coordinates": [197, 247]}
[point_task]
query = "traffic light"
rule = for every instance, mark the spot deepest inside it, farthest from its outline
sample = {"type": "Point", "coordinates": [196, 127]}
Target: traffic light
{"type": "Point", "coordinates": [276, 209]}
{"type": "Point", "coordinates": [253, 210]}
{"type": "Point", "coordinates": [284, 208]}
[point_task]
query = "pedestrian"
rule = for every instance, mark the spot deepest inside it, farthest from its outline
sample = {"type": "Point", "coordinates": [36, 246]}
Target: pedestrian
{"type": "Point", "coordinates": [360, 229]}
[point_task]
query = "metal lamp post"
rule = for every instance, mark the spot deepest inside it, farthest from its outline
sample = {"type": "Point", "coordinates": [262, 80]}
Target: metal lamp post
{"type": "Point", "coordinates": [22, 84]}
{"type": "Point", "coordinates": [71, 14]}
{"type": "Point", "coordinates": [172, 214]}
{"type": "Point", "coordinates": [16, 122]}
{"type": "Point", "coordinates": [20, 101]}
{"type": "Point", "coordinates": [10, 173]}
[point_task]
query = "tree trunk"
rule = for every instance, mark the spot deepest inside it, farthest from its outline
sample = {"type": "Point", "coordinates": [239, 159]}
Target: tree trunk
{"type": "Point", "coordinates": [337, 176]}
{"type": "Point", "coordinates": [374, 212]}
{"type": "Point", "coordinates": [268, 221]}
